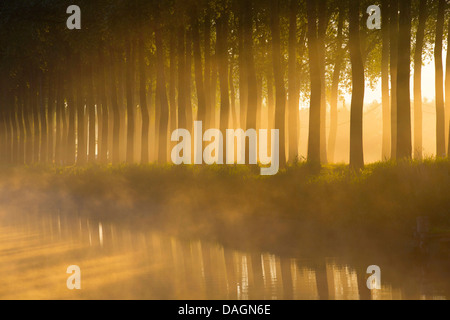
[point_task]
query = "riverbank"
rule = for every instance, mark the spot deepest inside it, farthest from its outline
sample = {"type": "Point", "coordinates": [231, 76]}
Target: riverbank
{"type": "Point", "coordinates": [302, 208]}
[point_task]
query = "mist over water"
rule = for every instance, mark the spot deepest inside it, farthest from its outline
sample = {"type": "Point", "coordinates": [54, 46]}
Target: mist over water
{"type": "Point", "coordinates": [122, 262]}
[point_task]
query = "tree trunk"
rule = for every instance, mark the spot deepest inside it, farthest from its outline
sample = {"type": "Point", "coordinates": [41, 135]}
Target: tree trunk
{"type": "Point", "coordinates": [403, 76]}
{"type": "Point", "coordinates": [447, 92]}
{"type": "Point", "coordinates": [439, 81]}
{"type": "Point", "coordinates": [103, 144]}
{"type": "Point", "coordinates": [316, 87]}
{"type": "Point", "coordinates": [418, 80]}
{"type": "Point", "coordinates": [252, 94]}
{"type": "Point", "coordinates": [293, 91]}
{"type": "Point", "coordinates": [130, 104]}
{"type": "Point", "coordinates": [59, 114]}
{"type": "Point", "coordinates": [162, 97]}
{"type": "Point", "coordinates": [385, 144]}
{"type": "Point", "coordinates": [393, 33]}
{"type": "Point", "coordinates": [280, 103]}
{"type": "Point", "coordinates": [209, 113]}
{"type": "Point", "coordinates": [172, 81]}
{"type": "Point", "coordinates": [201, 97]}
{"type": "Point", "coordinates": [222, 60]}
{"type": "Point", "coordinates": [143, 102]}
{"type": "Point", "coordinates": [322, 28]}
{"type": "Point", "coordinates": [243, 78]}
{"type": "Point", "coordinates": [90, 105]}
{"type": "Point", "coordinates": [181, 78]}
{"type": "Point", "coordinates": [81, 137]}
{"type": "Point", "coordinates": [70, 149]}
{"type": "Point", "coordinates": [335, 88]}
{"type": "Point", "coordinates": [356, 115]}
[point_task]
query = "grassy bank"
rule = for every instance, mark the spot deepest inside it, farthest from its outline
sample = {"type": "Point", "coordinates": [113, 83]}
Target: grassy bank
{"type": "Point", "coordinates": [330, 207]}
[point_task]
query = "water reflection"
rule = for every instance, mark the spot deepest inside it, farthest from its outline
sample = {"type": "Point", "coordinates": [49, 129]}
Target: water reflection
{"type": "Point", "coordinates": [118, 263]}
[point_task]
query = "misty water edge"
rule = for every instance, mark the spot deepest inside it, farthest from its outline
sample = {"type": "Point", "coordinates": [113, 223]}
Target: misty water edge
{"type": "Point", "coordinates": [122, 262]}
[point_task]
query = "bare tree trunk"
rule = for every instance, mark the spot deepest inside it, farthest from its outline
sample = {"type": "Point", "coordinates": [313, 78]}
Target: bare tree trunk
{"type": "Point", "coordinates": [252, 95]}
{"type": "Point", "coordinates": [393, 29]}
{"type": "Point", "coordinates": [172, 81]}
{"type": "Point", "coordinates": [81, 137]}
{"type": "Point", "coordinates": [385, 144]}
{"type": "Point", "coordinates": [418, 80]}
{"type": "Point", "coordinates": [103, 144]}
{"type": "Point", "coordinates": [322, 28]}
{"type": "Point", "coordinates": [293, 91]}
{"type": "Point", "coordinates": [130, 104]}
{"type": "Point", "coordinates": [70, 150]}
{"type": "Point", "coordinates": [90, 105]}
{"type": "Point", "coordinates": [222, 60]}
{"type": "Point", "coordinates": [209, 113]}
{"type": "Point", "coordinates": [59, 114]}
{"type": "Point", "coordinates": [35, 96]}
{"type": "Point", "coordinates": [201, 113]}
{"type": "Point", "coordinates": [115, 109]}
{"type": "Point", "coordinates": [335, 88]}
{"type": "Point", "coordinates": [143, 102]}
{"type": "Point", "coordinates": [403, 90]}
{"type": "Point", "coordinates": [439, 81]}
{"type": "Point", "coordinates": [316, 86]}
{"type": "Point", "coordinates": [162, 97]}
{"type": "Point", "coordinates": [243, 78]}
{"type": "Point", "coordinates": [181, 78]}
{"type": "Point", "coordinates": [447, 92]}
{"type": "Point", "coordinates": [356, 115]}
{"type": "Point", "coordinates": [280, 107]}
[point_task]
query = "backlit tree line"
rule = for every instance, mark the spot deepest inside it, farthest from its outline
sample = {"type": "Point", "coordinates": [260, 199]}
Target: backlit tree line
{"type": "Point", "coordinates": [114, 91]}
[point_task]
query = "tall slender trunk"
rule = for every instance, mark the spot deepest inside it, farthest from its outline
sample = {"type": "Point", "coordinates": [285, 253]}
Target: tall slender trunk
{"type": "Point", "coordinates": [143, 102]}
{"type": "Point", "coordinates": [21, 125]}
{"type": "Point", "coordinates": [234, 113]}
{"type": "Point", "coordinates": [51, 113]}
{"type": "Point", "coordinates": [188, 79]}
{"type": "Point", "coordinates": [70, 149]}
{"type": "Point", "coordinates": [209, 113]}
{"type": "Point", "coordinates": [15, 131]}
{"type": "Point", "coordinates": [181, 78]}
{"type": "Point", "coordinates": [130, 103]}
{"type": "Point", "coordinates": [280, 107]}
{"type": "Point", "coordinates": [115, 108]}
{"type": "Point", "coordinates": [27, 107]}
{"type": "Point", "coordinates": [162, 97]}
{"type": "Point", "coordinates": [81, 134]}
{"type": "Point", "coordinates": [201, 97]}
{"type": "Point", "coordinates": [35, 96]}
{"type": "Point", "coordinates": [316, 86]}
{"type": "Point", "coordinates": [90, 105]}
{"type": "Point", "coordinates": [252, 95]}
{"type": "Point", "coordinates": [356, 114]}
{"type": "Point", "coordinates": [172, 80]}
{"type": "Point", "coordinates": [385, 143]}
{"type": "Point", "coordinates": [243, 78]}
{"type": "Point", "coordinates": [44, 95]}
{"type": "Point", "coordinates": [447, 92]}
{"type": "Point", "coordinates": [213, 86]}
{"type": "Point", "coordinates": [222, 60]}
{"type": "Point", "coordinates": [103, 144]}
{"type": "Point", "coordinates": [418, 80]}
{"type": "Point", "coordinates": [393, 34]}
{"type": "Point", "coordinates": [403, 90]}
{"type": "Point", "coordinates": [335, 88]}
{"type": "Point", "coordinates": [58, 115]}
{"type": "Point", "coordinates": [322, 28]}
{"type": "Point", "coordinates": [439, 81]}
{"type": "Point", "coordinates": [293, 91]}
